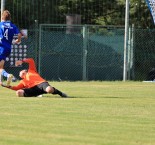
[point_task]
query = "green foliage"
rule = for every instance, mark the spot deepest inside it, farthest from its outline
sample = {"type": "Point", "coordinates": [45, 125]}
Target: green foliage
{"type": "Point", "coordinates": [92, 12]}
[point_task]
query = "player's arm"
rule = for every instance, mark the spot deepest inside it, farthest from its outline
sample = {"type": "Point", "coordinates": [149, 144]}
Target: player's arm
{"type": "Point", "coordinates": [18, 34]}
{"type": "Point", "coordinates": [30, 61]}
{"type": "Point", "coordinates": [19, 37]}
{"type": "Point", "coordinates": [19, 86]}
{"type": "Point", "coordinates": [24, 33]}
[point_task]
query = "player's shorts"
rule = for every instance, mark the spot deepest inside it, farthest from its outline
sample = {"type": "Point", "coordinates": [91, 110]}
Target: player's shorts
{"type": "Point", "coordinates": [4, 52]}
{"type": "Point", "coordinates": [36, 90]}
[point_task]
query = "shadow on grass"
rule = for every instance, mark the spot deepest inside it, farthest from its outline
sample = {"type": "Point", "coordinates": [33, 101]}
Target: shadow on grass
{"type": "Point", "coordinates": [100, 97]}
{"type": "Point", "coordinates": [79, 97]}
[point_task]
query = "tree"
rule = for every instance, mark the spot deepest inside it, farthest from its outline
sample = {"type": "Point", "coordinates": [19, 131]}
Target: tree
{"type": "Point", "coordinates": [100, 12]}
{"type": "Point", "coordinates": [139, 14]}
{"type": "Point", "coordinates": [94, 12]}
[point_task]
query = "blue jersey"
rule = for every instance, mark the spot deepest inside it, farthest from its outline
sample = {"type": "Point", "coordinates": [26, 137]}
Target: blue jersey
{"type": "Point", "coordinates": [7, 31]}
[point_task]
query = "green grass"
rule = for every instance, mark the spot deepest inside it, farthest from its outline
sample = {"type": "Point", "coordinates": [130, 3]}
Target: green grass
{"type": "Point", "coordinates": [97, 113]}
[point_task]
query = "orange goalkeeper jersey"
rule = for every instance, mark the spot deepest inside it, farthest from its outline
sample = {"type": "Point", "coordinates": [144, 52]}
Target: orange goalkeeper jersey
{"type": "Point", "coordinates": [31, 79]}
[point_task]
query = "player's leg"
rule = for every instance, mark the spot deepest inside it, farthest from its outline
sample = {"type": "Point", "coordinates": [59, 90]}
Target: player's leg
{"type": "Point", "coordinates": [3, 73]}
{"type": "Point", "coordinates": [29, 92]}
{"type": "Point", "coordinates": [24, 93]}
{"type": "Point", "coordinates": [20, 93]}
{"type": "Point", "coordinates": [49, 89]}
{"type": "Point", "coordinates": [4, 52]}
{"type": "Point", "coordinates": [1, 69]}
{"type": "Point", "coordinates": [56, 91]}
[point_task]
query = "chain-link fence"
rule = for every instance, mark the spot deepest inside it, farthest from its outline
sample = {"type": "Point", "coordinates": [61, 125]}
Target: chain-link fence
{"type": "Point", "coordinates": [87, 52]}
{"type": "Point", "coordinates": [144, 54]}
{"type": "Point", "coordinates": [81, 52]}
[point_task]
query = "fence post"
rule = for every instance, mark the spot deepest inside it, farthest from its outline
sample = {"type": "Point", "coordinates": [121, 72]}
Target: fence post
{"type": "Point", "coordinates": [130, 63]}
{"type": "Point", "coordinates": [129, 55]}
{"type": "Point", "coordinates": [126, 40]}
{"type": "Point", "coordinates": [39, 52]}
{"type": "Point", "coordinates": [85, 41]}
{"type": "Point", "coordinates": [36, 42]}
{"type": "Point", "coordinates": [2, 6]}
{"type": "Point", "coordinates": [132, 51]}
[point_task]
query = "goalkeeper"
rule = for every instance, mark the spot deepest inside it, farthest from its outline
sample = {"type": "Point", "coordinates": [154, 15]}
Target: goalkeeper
{"type": "Point", "coordinates": [32, 84]}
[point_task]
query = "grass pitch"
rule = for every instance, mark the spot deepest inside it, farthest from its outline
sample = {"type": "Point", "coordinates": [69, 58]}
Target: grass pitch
{"type": "Point", "coordinates": [97, 113]}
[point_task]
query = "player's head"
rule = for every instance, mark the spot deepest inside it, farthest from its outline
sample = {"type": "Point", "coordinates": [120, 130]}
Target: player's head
{"type": "Point", "coordinates": [6, 16]}
{"type": "Point", "coordinates": [23, 73]}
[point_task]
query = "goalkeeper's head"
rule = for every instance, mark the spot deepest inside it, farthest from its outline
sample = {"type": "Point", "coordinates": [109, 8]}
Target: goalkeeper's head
{"type": "Point", "coordinates": [6, 16]}
{"type": "Point", "coordinates": [23, 73]}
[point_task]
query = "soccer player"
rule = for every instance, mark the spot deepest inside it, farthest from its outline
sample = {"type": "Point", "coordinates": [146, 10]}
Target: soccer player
{"type": "Point", "coordinates": [32, 84]}
{"type": "Point", "coordinates": [7, 31]}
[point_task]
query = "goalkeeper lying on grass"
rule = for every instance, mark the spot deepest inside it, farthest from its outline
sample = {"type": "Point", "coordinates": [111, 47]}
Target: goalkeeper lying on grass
{"type": "Point", "coordinates": [32, 84]}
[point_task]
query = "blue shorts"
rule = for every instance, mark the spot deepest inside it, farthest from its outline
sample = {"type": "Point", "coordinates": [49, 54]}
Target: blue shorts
{"type": "Point", "coordinates": [4, 53]}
